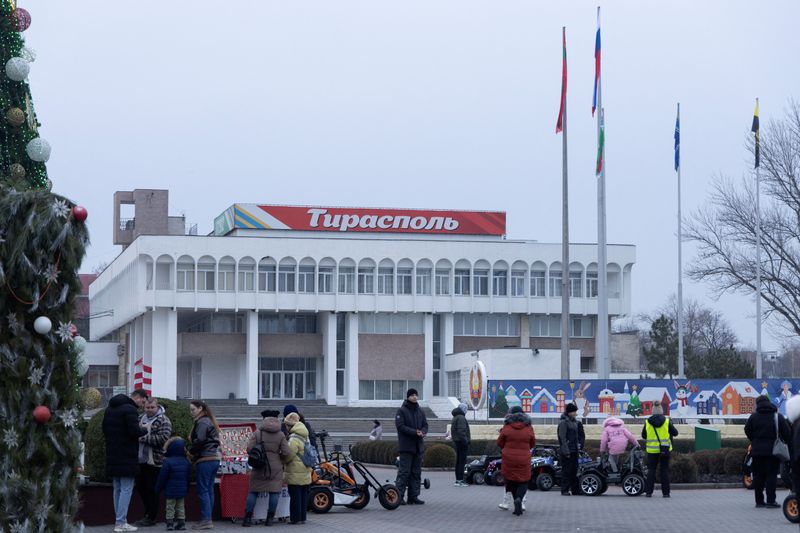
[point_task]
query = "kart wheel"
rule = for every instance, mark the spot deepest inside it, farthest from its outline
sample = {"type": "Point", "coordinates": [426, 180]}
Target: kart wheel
{"type": "Point", "coordinates": [591, 484]}
{"type": "Point", "coordinates": [478, 478]}
{"type": "Point", "coordinates": [499, 479]}
{"type": "Point", "coordinates": [362, 500]}
{"type": "Point", "coordinates": [320, 500]}
{"type": "Point", "coordinates": [791, 509]}
{"type": "Point", "coordinates": [544, 481]}
{"type": "Point", "coordinates": [389, 497]}
{"type": "Point", "coordinates": [747, 481]}
{"type": "Point", "coordinates": [633, 484]}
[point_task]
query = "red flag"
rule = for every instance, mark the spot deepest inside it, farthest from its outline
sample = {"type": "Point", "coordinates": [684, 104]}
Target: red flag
{"type": "Point", "coordinates": [560, 121]}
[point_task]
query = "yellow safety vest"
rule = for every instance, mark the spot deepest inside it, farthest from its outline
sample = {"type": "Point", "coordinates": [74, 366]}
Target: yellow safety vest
{"type": "Point", "coordinates": [653, 434]}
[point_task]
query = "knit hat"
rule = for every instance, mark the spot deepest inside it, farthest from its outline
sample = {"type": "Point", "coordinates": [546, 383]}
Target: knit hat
{"type": "Point", "coordinates": [657, 409]}
{"type": "Point", "coordinates": [516, 409]}
{"type": "Point", "coordinates": [289, 409]}
{"type": "Point", "coordinates": [411, 392]}
{"type": "Point", "coordinates": [270, 413]}
{"type": "Point", "coordinates": [463, 407]}
{"type": "Point", "coordinates": [291, 419]}
{"type": "Point", "coordinates": [572, 408]}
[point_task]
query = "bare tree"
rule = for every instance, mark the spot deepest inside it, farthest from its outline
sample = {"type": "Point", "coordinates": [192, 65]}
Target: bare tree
{"type": "Point", "coordinates": [725, 229]}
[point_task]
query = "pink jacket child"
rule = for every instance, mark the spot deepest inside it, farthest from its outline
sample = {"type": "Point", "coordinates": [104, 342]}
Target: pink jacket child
{"type": "Point", "coordinates": [615, 437]}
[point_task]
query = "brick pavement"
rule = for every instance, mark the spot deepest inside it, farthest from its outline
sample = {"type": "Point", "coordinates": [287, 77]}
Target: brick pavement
{"type": "Point", "coordinates": [455, 509]}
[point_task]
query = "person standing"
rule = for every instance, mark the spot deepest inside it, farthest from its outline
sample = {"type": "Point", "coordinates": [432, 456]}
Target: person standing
{"type": "Point", "coordinates": [412, 426]}
{"type": "Point", "coordinates": [206, 456]}
{"type": "Point", "coordinates": [173, 479]}
{"type": "Point", "coordinates": [762, 428]}
{"type": "Point", "coordinates": [151, 453]}
{"type": "Point", "coordinates": [459, 432]}
{"type": "Point", "coordinates": [122, 431]}
{"type": "Point", "coordinates": [793, 415]}
{"type": "Point", "coordinates": [289, 408]}
{"type": "Point", "coordinates": [377, 430]}
{"type": "Point", "coordinates": [298, 475]}
{"type": "Point", "coordinates": [268, 478]}
{"type": "Point", "coordinates": [571, 438]}
{"type": "Point", "coordinates": [516, 440]}
{"type": "Point", "coordinates": [658, 433]}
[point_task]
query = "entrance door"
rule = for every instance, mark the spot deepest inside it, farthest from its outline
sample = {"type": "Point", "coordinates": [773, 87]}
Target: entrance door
{"type": "Point", "coordinates": [282, 385]}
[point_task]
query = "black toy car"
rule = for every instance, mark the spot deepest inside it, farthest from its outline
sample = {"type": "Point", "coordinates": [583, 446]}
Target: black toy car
{"type": "Point", "coordinates": [475, 471]}
{"type": "Point", "coordinates": [545, 468]}
{"type": "Point", "coordinates": [596, 476]}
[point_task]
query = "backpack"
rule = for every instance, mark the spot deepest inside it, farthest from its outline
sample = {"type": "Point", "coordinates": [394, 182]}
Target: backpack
{"type": "Point", "coordinates": [257, 457]}
{"type": "Point", "coordinates": [310, 457]}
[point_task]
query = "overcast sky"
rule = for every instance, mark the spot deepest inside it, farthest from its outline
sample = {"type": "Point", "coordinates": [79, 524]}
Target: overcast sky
{"type": "Point", "coordinates": [431, 104]}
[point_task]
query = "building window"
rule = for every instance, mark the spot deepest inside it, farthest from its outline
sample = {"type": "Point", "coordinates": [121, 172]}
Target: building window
{"type": "Point", "coordinates": [384, 389]}
{"type": "Point", "coordinates": [286, 276]}
{"type": "Point", "coordinates": [555, 283]}
{"type": "Point", "coordinates": [581, 326]}
{"type": "Point", "coordinates": [225, 278]}
{"type": "Point", "coordinates": [550, 326]}
{"type": "Point", "coordinates": [205, 277]}
{"type": "Point", "coordinates": [325, 278]}
{"type": "Point", "coordinates": [537, 283]}
{"type": "Point", "coordinates": [366, 280]}
{"type": "Point", "coordinates": [385, 280]}
{"type": "Point", "coordinates": [305, 279]}
{"type": "Point", "coordinates": [500, 283]}
{"type": "Point", "coordinates": [403, 281]}
{"type": "Point", "coordinates": [246, 279]}
{"type": "Point", "coordinates": [266, 278]}
{"type": "Point", "coordinates": [185, 277]}
{"type": "Point", "coordinates": [286, 323]}
{"type": "Point", "coordinates": [347, 280]}
{"type": "Point", "coordinates": [214, 323]}
{"type": "Point", "coordinates": [454, 384]}
{"type": "Point", "coordinates": [462, 282]}
{"type": "Point", "coordinates": [443, 281]}
{"type": "Point", "coordinates": [341, 356]}
{"type": "Point", "coordinates": [485, 325]}
{"type": "Point", "coordinates": [391, 323]}
{"type": "Point", "coordinates": [423, 281]}
{"type": "Point", "coordinates": [437, 355]}
{"type": "Point", "coordinates": [591, 284]}
{"type": "Point", "coordinates": [575, 285]}
{"type": "Point", "coordinates": [481, 280]}
{"type": "Point", "coordinates": [517, 283]}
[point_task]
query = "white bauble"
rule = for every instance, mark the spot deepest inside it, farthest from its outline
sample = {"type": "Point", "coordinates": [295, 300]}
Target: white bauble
{"type": "Point", "coordinates": [28, 54]}
{"type": "Point", "coordinates": [42, 325]}
{"type": "Point", "coordinates": [82, 364]}
{"type": "Point", "coordinates": [38, 150]}
{"type": "Point", "coordinates": [79, 343]}
{"type": "Point", "coordinates": [17, 69]}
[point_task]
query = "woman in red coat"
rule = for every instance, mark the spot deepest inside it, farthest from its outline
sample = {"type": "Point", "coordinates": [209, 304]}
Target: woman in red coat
{"type": "Point", "coordinates": [516, 440]}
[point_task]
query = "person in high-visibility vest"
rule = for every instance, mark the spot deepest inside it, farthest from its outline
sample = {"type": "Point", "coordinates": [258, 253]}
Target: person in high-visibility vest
{"type": "Point", "coordinates": [657, 433]}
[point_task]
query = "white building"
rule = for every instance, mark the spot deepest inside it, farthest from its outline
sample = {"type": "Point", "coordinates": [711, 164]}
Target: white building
{"type": "Point", "coordinates": [346, 305]}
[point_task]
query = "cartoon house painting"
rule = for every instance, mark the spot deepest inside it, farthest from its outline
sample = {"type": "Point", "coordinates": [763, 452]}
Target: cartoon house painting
{"type": "Point", "coordinates": [738, 398]}
{"type": "Point", "coordinates": [561, 401]}
{"type": "Point", "coordinates": [511, 397]}
{"type": "Point", "coordinates": [606, 399]}
{"type": "Point", "coordinates": [649, 396]}
{"type": "Point", "coordinates": [707, 403]}
{"type": "Point", "coordinates": [621, 401]}
{"type": "Point", "coordinates": [544, 402]}
{"type": "Point", "coordinates": [525, 396]}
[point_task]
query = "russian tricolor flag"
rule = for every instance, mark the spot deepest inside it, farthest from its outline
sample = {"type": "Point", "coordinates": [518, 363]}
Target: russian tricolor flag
{"type": "Point", "coordinates": [596, 63]}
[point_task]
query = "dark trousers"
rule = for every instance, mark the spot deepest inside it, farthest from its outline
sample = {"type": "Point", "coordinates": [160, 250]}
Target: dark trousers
{"type": "Point", "coordinates": [298, 503]}
{"type": "Point", "coordinates": [518, 489]}
{"type": "Point", "coordinates": [569, 474]}
{"type": "Point", "coordinates": [461, 459]}
{"type": "Point", "coordinates": [657, 460]}
{"type": "Point", "coordinates": [409, 474]}
{"type": "Point", "coordinates": [765, 475]}
{"type": "Point", "coordinates": [146, 485]}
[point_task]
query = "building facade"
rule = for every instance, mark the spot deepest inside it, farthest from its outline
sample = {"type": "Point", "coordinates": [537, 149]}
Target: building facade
{"type": "Point", "coordinates": [294, 303]}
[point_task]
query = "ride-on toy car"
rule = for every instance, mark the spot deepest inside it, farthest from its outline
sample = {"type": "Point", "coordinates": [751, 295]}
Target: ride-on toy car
{"type": "Point", "coordinates": [475, 471]}
{"type": "Point", "coordinates": [747, 472]}
{"type": "Point", "coordinates": [630, 474]}
{"type": "Point", "coordinates": [544, 463]}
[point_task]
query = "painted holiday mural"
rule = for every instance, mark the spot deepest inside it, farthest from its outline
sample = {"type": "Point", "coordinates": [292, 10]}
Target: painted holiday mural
{"type": "Point", "coordinates": [703, 398]}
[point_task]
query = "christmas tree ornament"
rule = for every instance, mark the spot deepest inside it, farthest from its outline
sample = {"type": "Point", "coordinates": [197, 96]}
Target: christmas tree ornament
{"type": "Point", "coordinates": [20, 19]}
{"type": "Point", "coordinates": [28, 54]}
{"type": "Point", "coordinates": [15, 116]}
{"type": "Point", "coordinates": [64, 331]}
{"type": "Point", "coordinates": [79, 213]}
{"type": "Point", "coordinates": [17, 171]}
{"type": "Point", "coordinates": [13, 323]}
{"type": "Point", "coordinates": [69, 418]}
{"type": "Point", "coordinates": [51, 273]}
{"type": "Point", "coordinates": [38, 150]}
{"type": "Point", "coordinates": [11, 438]}
{"type": "Point", "coordinates": [60, 209]}
{"type": "Point", "coordinates": [79, 343]}
{"type": "Point", "coordinates": [42, 325]}
{"type": "Point", "coordinates": [73, 330]}
{"type": "Point", "coordinates": [17, 69]}
{"type": "Point", "coordinates": [36, 375]}
{"type": "Point", "coordinates": [41, 414]}
{"type": "Point", "coordinates": [82, 364]}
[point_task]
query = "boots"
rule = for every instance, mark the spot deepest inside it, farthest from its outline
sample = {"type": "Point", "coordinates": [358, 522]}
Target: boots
{"type": "Point", "coordinates": [517, 506]}
{"type": "Point", "coordinates": [180, 525]}
{"type": "Point", "coordinates": [170, 525]}
{"type": "Point", "coordinates": [270, 518]}
{"type": "Point", "coordinates": [506, 501]}
{"type": "Point", "coordinates": [248, 519]}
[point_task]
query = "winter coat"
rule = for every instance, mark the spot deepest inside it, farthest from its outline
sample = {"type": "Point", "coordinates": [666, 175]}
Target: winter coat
{"type": "Point", "coordinates": [571, 436]}
{"type": "Point", "coordinates": [122, 431]}
{"type": "Point", "coordinates": [616, 436]}
{"type": "Point", "coordinates": [793, 414]}
{"type": "Point", "coordinates": [151, 445]}
{"type": "Point", "coordinates": [516, 440]}
{"type": "Point", "coordinates": [312, 436]}
{"type": "Point", "coordinates": [459, 427]}
{"type": "Point", "coordinates": [410, 418]}
{"type": "Point", "coordinates": [176, 470]}
{"type": "Point", "coordinates": [376, 433]}
{"type": "Point", "coordinates": [760, 429]}
{"type": "Point", "coordinates": [296, 473]}
{"type": "Point", "coordinates": [205, 440]}
{"type": "Point", "coordinates": [269, 436]}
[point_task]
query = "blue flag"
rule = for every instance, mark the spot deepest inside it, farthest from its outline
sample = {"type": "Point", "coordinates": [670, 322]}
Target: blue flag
{"type": "Point", "coordinates": [678, 139]}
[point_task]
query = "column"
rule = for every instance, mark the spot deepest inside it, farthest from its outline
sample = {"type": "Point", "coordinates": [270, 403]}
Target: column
{"type": "Point", "coordinates": [164, 353]}
{"type": "Point", "coordinates": [427, 384]}
{"type": "Point", "coordinates": [327, 322]}
{"type": "Point", "coordinates": [351, 355]}
{"type": "Point", "coordinates": [524, 331]}
{"type": "Point", "coordinates": [251, 359]}
{"type": "Point", "coordinates": [447, 348]}
{"type": "Point", "coordinates": [138, 350]}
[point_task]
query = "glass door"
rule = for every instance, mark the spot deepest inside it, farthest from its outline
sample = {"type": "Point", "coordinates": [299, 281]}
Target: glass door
{"type": "Point", "coordinates": [299, 385]}
{"type": "Point", "coordinates": [276, 385]}
{"type": "Point", "coordinates": [265, 385]}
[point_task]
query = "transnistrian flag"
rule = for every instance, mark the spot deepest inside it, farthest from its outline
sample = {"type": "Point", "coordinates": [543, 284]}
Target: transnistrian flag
{"type": "Point", "coordinates": [596, 63]}
{"type": "Point", "coordinates": [678, 139]}
{"type": "Point", "coordinates": [754, 129]}
{"type": "Point", "coordinates": [560, 121]}
{"type": "Point", "coordinates": [601, 141]}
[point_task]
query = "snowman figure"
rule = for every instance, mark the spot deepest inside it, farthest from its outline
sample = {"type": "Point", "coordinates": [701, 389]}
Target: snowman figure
{"type": "Point", "coordinates": [682, 393]}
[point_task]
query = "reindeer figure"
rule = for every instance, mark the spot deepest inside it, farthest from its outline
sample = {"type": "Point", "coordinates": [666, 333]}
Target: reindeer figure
{"type": "Point", "coordinates": [580, 400]}
{"type": "Point", "coordinates": [682, 393]}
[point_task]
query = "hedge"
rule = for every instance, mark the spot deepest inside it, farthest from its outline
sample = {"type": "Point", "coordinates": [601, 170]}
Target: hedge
{"type": "Point", "coordinates": [95, 443]}
{"type": "Point", "coordinates": [439, 455]}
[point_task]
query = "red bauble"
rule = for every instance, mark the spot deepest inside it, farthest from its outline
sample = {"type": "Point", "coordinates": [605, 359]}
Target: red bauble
{"type": "Point", "coordinates": [79, 213]}
{"type": "Point", "coordinates": [73, 329]}
{"type": "Point", "coordinates": [41, 414]}
{"type": "Point", "coordinates": [20, 19]}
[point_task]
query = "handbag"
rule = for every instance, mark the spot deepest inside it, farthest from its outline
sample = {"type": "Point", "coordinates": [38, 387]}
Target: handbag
{"type": "Point", "coordinates": [663, 447]}
{"type": "Point", "coordinates": [779, 448]}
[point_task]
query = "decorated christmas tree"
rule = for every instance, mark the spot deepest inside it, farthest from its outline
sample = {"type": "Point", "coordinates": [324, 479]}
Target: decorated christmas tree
{"type": "Point", "coordinates": [635, 405]}
{"type": "Point", "coordinates": [42, 243]}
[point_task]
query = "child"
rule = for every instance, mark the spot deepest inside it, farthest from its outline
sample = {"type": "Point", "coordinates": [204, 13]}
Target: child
{"type": "Point", "coordinates": [174, 480]}
{"type": "Point", "coordinates": [615, 440]}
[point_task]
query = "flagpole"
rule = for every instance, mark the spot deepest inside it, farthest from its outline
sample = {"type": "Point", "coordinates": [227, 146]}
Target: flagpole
{"type": "Point", "coordinates": [564, 227]}
{"type": "Point", "coordinates": [681, 362]}
{"type": "Point", "coordinates": [602, 285]}
{"type": "Point", "coordinates": [759, 362]}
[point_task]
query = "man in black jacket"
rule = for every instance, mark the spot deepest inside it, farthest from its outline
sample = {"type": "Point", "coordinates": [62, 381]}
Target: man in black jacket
{"type": "Point", "coordinates": [412, 426]}
{"type": "Point", "coordinates": [571, 439]}
{"type": "Point", "coordinates": [762, 428]}
{"type": "Point", "coordinates": [121, 430]}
